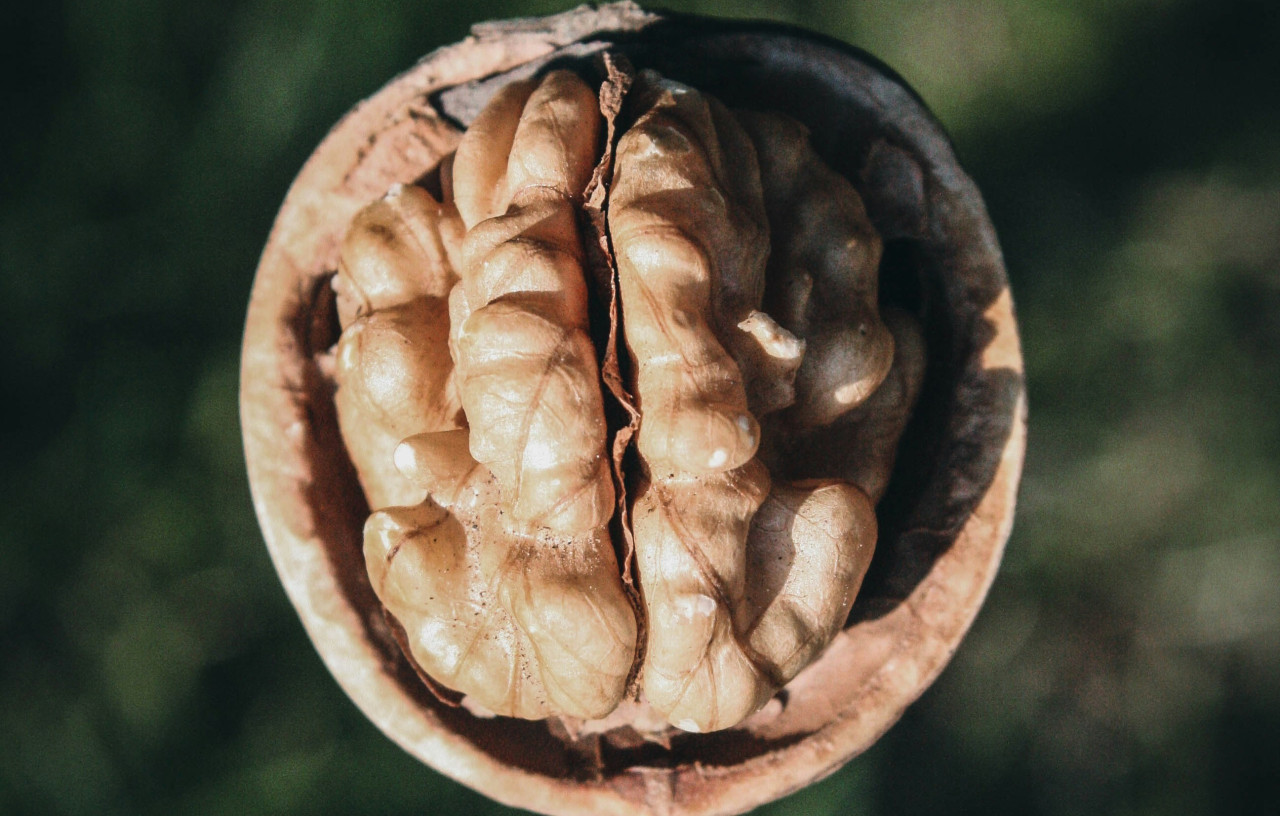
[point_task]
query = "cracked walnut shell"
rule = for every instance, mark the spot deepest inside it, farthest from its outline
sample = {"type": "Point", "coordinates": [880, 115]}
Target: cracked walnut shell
{"type": "Point", "coordinates": [796, 405]}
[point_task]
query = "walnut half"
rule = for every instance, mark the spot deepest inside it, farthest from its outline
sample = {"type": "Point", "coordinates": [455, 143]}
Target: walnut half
{"type": "Point", "coordinates": [625, 369]}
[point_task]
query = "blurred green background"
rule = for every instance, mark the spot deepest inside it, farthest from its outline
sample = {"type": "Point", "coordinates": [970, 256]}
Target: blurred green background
{"type": "Point", "coordinates": [1128, 659]}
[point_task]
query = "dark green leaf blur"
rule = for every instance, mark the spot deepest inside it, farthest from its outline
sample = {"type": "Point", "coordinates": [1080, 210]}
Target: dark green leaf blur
{"type": "Point", "coordinates": [1128, 658]}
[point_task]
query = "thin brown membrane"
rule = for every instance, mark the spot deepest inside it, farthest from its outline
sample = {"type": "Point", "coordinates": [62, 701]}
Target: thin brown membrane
{"type": "Point", "coordinates": [621, 407]}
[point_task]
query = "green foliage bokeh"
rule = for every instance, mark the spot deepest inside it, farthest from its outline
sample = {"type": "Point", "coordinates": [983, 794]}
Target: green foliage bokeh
{"type": "Point", "coordinates": [1128, 659]}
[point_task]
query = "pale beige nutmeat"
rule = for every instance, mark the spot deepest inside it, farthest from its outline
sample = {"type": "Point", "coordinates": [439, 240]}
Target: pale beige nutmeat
{"type": "Point", "coordinates": [504, 578]}
{"type": "Point", "coordinates": [470, 399]}
{"type": "Point", "coordinates": [392, 363]}
{"type": "Point", "coordinates": [528, 625]}
{"type": "Point", "coordinates": [526, 367]}
{"type": "Point", "coordinates": [743, 584]}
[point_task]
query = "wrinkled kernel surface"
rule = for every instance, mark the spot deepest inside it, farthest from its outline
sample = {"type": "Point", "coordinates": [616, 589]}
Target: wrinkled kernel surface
{"type": "Point", "coordinates": [769, 394]}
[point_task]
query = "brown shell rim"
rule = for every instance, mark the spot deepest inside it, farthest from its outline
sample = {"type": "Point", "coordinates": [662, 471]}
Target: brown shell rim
{"type": "Point", "coordinates": [941, 552]}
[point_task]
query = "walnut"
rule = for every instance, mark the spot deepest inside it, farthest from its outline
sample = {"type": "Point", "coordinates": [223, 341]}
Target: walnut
{"type": "Point", "coordinates": [605, 352]}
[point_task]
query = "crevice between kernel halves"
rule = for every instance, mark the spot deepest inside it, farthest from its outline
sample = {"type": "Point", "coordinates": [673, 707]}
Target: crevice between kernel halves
{"type": "Point", "coordinates": [614, 74]}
